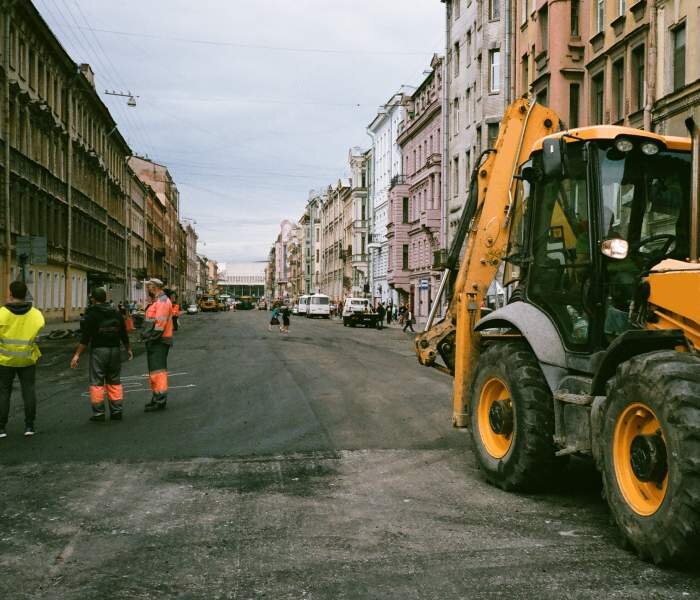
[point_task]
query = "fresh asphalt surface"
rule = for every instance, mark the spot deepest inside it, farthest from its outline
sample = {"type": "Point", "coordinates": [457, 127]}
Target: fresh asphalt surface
{"type": "Point", "coordinates": [320, 464]}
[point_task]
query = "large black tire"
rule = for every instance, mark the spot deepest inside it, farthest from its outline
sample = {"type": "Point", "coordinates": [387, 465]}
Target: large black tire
{"type": "Point", "coordinates": [668, 383]}
{"type": "Point", "coordinates": [530, 462]}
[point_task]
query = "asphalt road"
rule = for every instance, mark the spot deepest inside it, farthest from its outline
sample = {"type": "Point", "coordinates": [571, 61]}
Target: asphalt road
{"type": "Point", "coordinates": [320, 464]}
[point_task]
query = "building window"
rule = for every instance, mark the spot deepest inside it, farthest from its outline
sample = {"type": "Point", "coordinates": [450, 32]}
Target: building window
{"type": "Point", "coordinates": [679, 57]}
{"type": "Point", "coordinates": [597, 106]}
{"type": "Point", "coordinates": [574, 26]}
{"type": "Point", "coordinates": [494, 10]}
{"type": "Point", "coordinates": [619, 88]}
{"type": "Point", "coordinates": [468, 47]}
{"type": "Point", "coordinates": [543, 19]}
{"type": "Point", "coordinates": [455, 176]}
{"type": "Point", "coordinates": [404, 210]}
{"type": "Point", "coordinates": [492, 133]}
{"type": "Point", "coordinates": [542, 97]}
{"type": "Point", "coordinates": [638, 61]}
{"type": "Point", "coordinates": [523, 20]}
{"type": "Point", "coordinates": [621, 7]}
{"type": "Point", "coordinates": [468, 107]}
{"type": "Point", "coordinates": [455, 112]}
{"type": "Point", "coordinates": [525, 73]}
{"type": "Point", "coordinates": [455, 59]}
{"type": "Point", "coordinates": [494, 70]}
{"type": "Point", "coordinates": [404, 257]}
{"type": "Point", "coordinates": [599, 15]}
{"type": "Point", "coordinates": [457, 7]}
{"type": "Point", "coordinates": [574, 97]}
{"type": "Point", "coordinates": [478, 142]}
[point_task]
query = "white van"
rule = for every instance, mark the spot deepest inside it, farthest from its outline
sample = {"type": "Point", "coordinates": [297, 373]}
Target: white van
{"type": "Point", "coordinates": [303, 305]}
{"type": "Point", "coordinates": [319, 306]}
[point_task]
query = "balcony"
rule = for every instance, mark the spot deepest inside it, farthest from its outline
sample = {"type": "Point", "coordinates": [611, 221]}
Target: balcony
{"type": "Point", "coordinates": [358, 258]}
{"type": "Point", "coordinates": [360, 223]}
{"type": "Point", "coordinates": [397, 180]}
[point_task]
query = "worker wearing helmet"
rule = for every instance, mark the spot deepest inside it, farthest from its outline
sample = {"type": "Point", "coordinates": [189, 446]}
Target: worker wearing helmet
{"type": "Point", "coordinates": [158, 335]}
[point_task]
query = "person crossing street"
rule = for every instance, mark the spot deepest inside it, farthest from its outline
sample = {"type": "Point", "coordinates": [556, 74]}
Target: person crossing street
{"type": "Point", "coordinates": [20, 323]}
{"type": "Point", "coordinates": [103, 330]}
{"type": "Point", "coordinates": [158, 334]}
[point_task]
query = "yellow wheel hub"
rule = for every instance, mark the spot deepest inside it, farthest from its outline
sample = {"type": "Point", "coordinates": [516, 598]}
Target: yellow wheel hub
{"type": "Point", "coordinates": [639, 457]}
{"type": "Point", "coordinates": [495, 418]}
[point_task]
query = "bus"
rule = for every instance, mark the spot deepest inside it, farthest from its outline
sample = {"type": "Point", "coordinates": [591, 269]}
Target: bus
{"type": "Point", "coordinates": [303, 305]}
{"type": "Point", "coordinates": [319, 306]}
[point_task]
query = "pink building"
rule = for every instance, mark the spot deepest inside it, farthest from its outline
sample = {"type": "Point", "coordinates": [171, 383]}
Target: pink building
{"type": "Point", "coordinates": [414, 219]}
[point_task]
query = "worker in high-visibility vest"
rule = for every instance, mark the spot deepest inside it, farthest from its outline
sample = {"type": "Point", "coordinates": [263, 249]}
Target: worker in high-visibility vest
{"type": "Point", "coordinates": [158, 334]}
{"type": "Point", "coordinates": [20, 323]}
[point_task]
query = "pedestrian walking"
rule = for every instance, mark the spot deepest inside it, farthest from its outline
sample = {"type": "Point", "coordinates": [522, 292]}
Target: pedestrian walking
{"type": "Point", "coordinates": [274, 317]}
{"type": "Point", "coordinates": [402, 314]}
{"type": "Point", "coordinates": [408, 320]}
{"type": "Point", "coordinates": [20, 323]}
{"type": "Point", "coordinates": [103, 330]}
{"type": "Point", "coordinates": [381, 311]}
{"type": "Point", "coordinates": [158, 334]}
{"type": "Point", "coordinates": [285, 319]}
{"type": "Point", "coordinates": [176, 309]}
{"type": "Point", "coordinates": [389, 311]}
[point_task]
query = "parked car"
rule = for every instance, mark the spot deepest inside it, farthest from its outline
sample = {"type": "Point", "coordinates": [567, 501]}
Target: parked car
{"type": "Point", "coordinates": [262, 305]}
{"type": "Point", "coordinates": [192, 309]}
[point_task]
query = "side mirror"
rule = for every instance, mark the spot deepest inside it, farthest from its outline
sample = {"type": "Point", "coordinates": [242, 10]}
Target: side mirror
{"type": "Point", "coordinates": [554, 157]}
{"type": "Point", "coordinates": [615, 248]}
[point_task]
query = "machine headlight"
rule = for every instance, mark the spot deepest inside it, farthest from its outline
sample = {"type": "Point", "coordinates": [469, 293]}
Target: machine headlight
{"type": "Point", "coordinates": [624, 145]}
{"type": "Point", "coordinates": [615, 248]}
{"type": "Point", "coordinates": [650, 148]}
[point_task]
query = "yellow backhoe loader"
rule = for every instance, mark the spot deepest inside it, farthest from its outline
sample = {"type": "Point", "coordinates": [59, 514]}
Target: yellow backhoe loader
{"type": "Point", "coordinates": [595, 231]}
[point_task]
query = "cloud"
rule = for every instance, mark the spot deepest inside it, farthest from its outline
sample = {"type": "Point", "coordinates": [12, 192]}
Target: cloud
{"type": "Point", "coordinates": [250, 104]}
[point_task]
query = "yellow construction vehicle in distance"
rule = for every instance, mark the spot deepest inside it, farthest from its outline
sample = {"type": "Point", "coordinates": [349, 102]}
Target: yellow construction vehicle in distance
{"type": "Point", "coordinates": [595, 231]}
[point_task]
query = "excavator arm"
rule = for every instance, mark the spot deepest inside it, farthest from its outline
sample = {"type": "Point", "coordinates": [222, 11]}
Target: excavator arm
{"type": "Point", "coordinates": [485, 227]}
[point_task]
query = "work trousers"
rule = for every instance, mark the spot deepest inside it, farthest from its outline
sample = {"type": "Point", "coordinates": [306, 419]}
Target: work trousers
{"type": "Point", "coordinates": [27, 381]}
{"type": "Point", "coordinates": [157, 357]}
{"type": "Point", "coordinates": [105, 371]}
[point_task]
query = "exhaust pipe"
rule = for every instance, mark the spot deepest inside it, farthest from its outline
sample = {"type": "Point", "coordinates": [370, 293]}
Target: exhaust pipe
{"type": "Point", "coordinates": [693, 125]}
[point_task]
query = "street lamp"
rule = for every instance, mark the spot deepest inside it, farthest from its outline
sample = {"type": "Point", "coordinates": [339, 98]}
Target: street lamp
{"type": "Point", "coordinates": [131, 98]}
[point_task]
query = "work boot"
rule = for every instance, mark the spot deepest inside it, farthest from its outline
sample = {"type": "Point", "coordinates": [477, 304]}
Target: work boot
{"type": "Point", "coordinates": [115, 416]}
{"type": "Point", "coordinates": [3, 433]}
{"type": "Point", "coordinates": [98, 418]}
{"type": "Point", "coordinates": [29, 430]}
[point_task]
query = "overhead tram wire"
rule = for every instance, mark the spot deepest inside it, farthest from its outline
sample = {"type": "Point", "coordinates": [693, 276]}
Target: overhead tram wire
{"type": "Point", "coordinates": [136, 114]}
{"type": "Point", "coordinates": [75, 41]}
{"type": "Point", "coordinates": [265, 47]}
{"type": "Point", "coordinates": [113, 78]}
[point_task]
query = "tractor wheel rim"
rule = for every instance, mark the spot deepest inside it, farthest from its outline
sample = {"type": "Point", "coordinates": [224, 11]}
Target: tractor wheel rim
{"type": "Point", "coordinates": [494, 398]}
{"type": "Point", "coordinates": [639, 457]}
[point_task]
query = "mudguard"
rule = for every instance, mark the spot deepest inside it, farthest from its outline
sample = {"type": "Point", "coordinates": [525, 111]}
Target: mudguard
{"type": "Point", "coordinates": [534, 325]}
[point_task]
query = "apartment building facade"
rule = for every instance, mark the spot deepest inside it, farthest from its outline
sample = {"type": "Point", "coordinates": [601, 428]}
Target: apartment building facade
{"type": "Point", "coordinates": [416, 209]}
{"type": "Point", "coordinates": [476, 85]}
{"type": "Point", "coordinates": [332, 267]}
{"type": "Point", "coordinates": [387, 164]}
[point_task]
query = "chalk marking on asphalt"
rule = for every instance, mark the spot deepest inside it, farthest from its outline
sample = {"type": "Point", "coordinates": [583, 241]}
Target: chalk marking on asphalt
{"type": "Point", "coordinates": [145, 375]}
{"type": "Point", "coordinates": [143, 389]}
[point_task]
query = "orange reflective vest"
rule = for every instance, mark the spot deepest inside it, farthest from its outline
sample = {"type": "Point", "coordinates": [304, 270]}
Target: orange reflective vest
{"type": "Point", "coordinates": [159, 316]}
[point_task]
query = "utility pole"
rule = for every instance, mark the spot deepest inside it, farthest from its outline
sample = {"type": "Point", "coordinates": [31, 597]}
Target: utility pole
{"type": "Point", "coordinates": [7, 6]}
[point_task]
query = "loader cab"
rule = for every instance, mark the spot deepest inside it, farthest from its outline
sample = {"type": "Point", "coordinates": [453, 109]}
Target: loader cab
{"type": "Point", "coordinates": [601, 185]}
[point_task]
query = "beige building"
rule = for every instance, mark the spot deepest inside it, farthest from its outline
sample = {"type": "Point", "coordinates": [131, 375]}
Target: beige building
{"type": "Point", "coordinates": [69, 183]}
{"type": "Point", "coordinates": [333, 246]}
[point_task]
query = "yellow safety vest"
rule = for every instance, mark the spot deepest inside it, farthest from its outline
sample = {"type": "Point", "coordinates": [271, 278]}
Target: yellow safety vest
{"type": "Point", "coordinates": [17, 335]}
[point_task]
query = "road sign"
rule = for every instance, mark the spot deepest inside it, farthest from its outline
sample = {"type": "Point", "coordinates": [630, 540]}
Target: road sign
{"type": "Point", "coordinates": [31, 249]}
{"type": "Point", "coordinates": [423, 284]}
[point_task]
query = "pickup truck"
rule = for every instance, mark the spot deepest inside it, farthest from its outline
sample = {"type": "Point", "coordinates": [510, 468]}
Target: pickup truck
{"type": "Point", "coordinates": [359, 311]}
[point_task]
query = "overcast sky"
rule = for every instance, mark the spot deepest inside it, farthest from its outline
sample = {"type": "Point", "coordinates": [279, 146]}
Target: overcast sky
{"type": "Point", "coordinates": [249, 103]}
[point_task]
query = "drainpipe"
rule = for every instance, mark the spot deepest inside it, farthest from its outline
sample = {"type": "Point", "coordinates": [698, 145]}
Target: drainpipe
{"type": "Point", "coordinates": [370, 216]}
{"type": "Point", "coordinates": [68, 289]}
{"type": "Point", "coordinates": [508, 98]}
{"type": "Point", "coordinates": [652, 67]}
{"type": "Point", "coordinates": [445, 131]}
{"type": "Point", "coordinates": [6, 133]}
